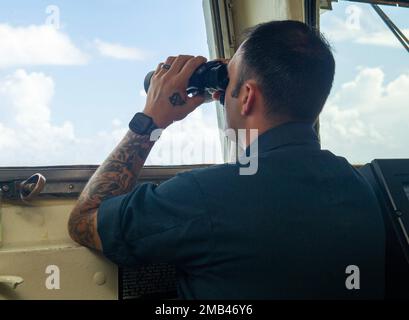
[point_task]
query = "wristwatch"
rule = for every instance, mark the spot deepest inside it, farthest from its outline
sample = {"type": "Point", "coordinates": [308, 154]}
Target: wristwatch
{"type": "Point", "coordinates": [142, 124]}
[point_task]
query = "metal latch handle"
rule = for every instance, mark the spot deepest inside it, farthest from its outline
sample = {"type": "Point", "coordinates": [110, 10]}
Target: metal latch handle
{"type": "Point", "coordinates": [32, 187]}
{"type": "Point", "coordinates": [12, 281]}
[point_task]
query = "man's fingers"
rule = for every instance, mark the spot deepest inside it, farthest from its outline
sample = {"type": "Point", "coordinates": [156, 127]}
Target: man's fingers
{"type": "Point", "coordinates": [191, 66]}
{"type": "Point", "coordinates": [169, 61]}
{"type": "Point", "coordinates": [178, 63]}
{"type": "Point", "coordinates": [158, 68]}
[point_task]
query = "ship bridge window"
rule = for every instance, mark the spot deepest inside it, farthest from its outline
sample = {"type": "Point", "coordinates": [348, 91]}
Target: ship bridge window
{"type": "Point", "coordinates": [366, 116]}
{"type": "Point", "coordinates": [71, 78]}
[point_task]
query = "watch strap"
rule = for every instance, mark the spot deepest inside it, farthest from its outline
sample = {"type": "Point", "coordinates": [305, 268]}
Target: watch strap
{"type": "Point", "coordinates": [142, 124]}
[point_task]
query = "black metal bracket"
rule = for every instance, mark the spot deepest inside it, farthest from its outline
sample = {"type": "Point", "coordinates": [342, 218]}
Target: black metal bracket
{"type": "Point", "coordinates": [9, 189]}
{"type": "Point", "coordinates": [394, 3]}
{"type": "Point", "coordinates": [310, 13]}
{"type": "Point", "coordinates": [392, 27]}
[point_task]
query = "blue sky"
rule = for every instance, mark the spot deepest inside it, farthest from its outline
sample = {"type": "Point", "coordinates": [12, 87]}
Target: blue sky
{"type": "Point", "coordinates": [367, 112]}
{"type": "Point", "coordinates": [349, 54]}
{"type": "Point", "coordinates": [109, 88]}
{"type": "Point", "coordinates": [92, 95]}
{"type": "Point", "coordinates": [67, 95]}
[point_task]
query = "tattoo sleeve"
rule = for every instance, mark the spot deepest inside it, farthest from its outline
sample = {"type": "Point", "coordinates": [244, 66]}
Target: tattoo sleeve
{"type": "Point", "coordinates": [116, 175]}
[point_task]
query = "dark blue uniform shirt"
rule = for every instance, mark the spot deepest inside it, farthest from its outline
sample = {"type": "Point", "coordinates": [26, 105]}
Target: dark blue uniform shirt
{"type": "Point", "coordinates": [287, 232]}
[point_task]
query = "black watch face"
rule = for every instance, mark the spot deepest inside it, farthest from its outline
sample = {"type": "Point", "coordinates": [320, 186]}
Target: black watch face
{"type": "Point", "coordinates": [141, 123]}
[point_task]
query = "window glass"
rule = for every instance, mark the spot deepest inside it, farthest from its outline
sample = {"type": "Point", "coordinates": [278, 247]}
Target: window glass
{"type": "Point", "coordinates": [367, 113]}
{"type": "Point", "coordinates": [71, 78]}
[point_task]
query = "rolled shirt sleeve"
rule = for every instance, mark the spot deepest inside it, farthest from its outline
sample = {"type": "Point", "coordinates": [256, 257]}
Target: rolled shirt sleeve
{"type": "Point", "coordinates": [155, 224]}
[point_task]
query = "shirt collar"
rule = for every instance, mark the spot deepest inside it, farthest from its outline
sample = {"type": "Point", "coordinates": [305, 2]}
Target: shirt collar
{"type": "Point", "coordinates": [290, 133]}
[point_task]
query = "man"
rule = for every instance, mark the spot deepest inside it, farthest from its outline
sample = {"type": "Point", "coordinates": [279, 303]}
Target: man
{"type": "Point", "coordinates": [306, 225]}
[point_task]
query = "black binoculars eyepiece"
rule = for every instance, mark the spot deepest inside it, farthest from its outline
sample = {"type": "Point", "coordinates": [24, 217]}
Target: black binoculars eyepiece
{"type": "Point", "coordinates": [208, 78]}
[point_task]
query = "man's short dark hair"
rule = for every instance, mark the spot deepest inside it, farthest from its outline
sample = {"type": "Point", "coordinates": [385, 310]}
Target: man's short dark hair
{"type": "Point", "coordinates": [293, 65]}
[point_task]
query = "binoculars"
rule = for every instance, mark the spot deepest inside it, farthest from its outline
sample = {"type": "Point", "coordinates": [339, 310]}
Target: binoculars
{"type": "Point", "coordinates": [208, 78]}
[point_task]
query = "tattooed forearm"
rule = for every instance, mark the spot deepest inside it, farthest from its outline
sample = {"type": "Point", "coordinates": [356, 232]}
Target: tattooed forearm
{"type": "Point", "coordinates": [176, 100]}
{"type": "Point", "coordinates": [117, 175]}
{"type": "Point", "coordinates": [82, 228]}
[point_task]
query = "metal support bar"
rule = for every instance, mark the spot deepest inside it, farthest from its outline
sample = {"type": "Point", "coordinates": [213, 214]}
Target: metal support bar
{"type": "Point", "coordinates": [69, 181]}
{"type": "Point", "coordinates": [221, 39]}
{"type": "Point", "coordinates": [311, 19]}
{"type": "Point", "coordinates": [310, 13]}
{"type": "Point", "coordinates": [395, 30]}
{"type": "Point", "coordinates": [394, 3]}
{"type": "Point", "coordinates": [1, 226]}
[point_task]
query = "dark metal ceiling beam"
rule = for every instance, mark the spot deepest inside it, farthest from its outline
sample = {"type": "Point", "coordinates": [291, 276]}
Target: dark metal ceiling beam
{"type": "Point", "coordinates": [395, 3]}
{"type": "Point", "coordinates": [326, 4]}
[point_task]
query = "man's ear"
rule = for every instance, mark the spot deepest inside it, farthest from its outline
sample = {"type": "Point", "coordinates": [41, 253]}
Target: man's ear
{"type": "Point", "coordinates": [248, 97]}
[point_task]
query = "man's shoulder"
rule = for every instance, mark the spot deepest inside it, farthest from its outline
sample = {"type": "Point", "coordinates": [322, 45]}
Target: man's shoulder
{"type": "Point", "coordinates": [213, 171]}
{"type": "Point", "coordinates": [208, 175]}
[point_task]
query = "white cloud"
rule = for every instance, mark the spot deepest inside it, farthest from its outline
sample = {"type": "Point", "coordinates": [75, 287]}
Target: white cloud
{"type": "Point", "coordinates": [37, 45]}
{"type": "Point", "coordinates": [359, 26]}
{"type": "Point", "coordinates": [382, 38]}
{"type": "Point", "coordinates": [117, 51]}
{"type": "Point", "coordinates": [116, 123]}
{"type": "Point", "coordinates": [28, 137]}
{"type": "Point", "coordinates": [368, 118]}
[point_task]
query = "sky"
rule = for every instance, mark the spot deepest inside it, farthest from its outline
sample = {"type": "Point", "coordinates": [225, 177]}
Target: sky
{"type": "Point", "coordinates": [71, 78]}
{"type": "Point", "coordinates": [367, 114]}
